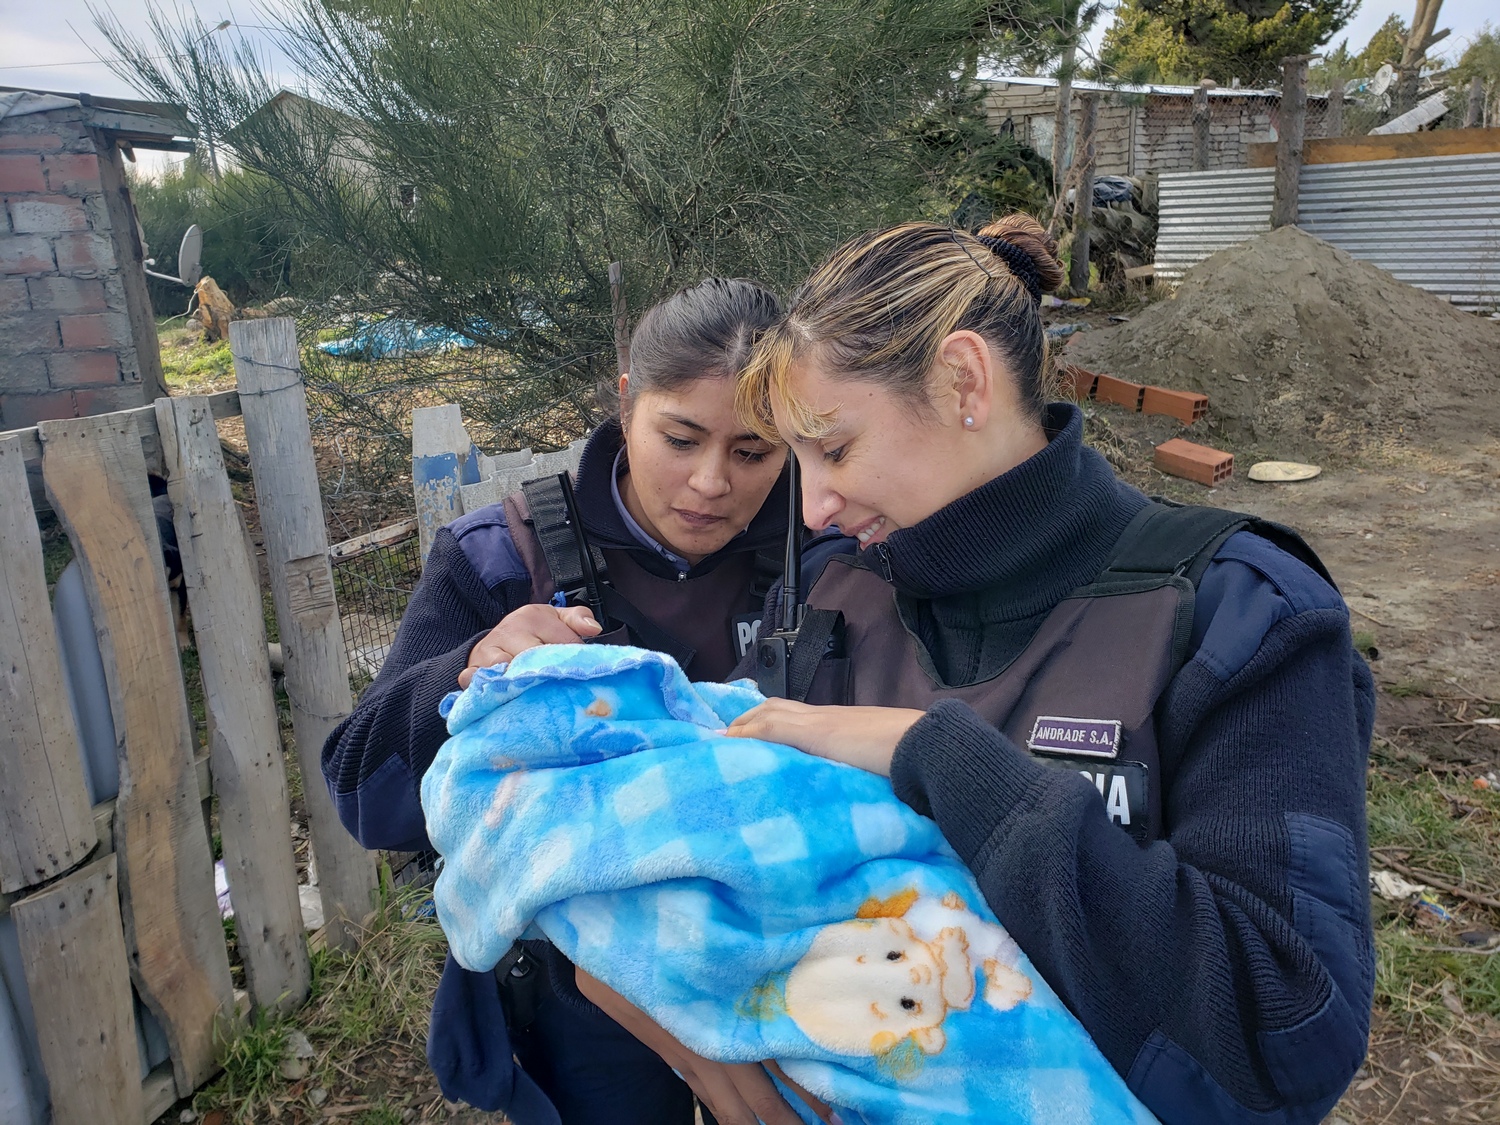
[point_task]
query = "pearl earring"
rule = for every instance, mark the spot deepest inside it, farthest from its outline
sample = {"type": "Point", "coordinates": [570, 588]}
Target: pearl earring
{"type": "Point", "coordinates": [968, 421]}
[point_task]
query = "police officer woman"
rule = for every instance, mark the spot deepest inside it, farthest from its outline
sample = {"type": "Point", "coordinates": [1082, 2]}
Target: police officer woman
{"type": "Point", "coordinates": [685, 536]}
{"type": "Point", "coordinates": [1143, 728]}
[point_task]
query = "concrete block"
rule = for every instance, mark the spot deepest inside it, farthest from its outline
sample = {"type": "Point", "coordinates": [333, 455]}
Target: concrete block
{"type": "Point", "coordinates": [24, 373]}
{"type": "Point", "coordinates": [82, 369]}
{"type": "Point", "coordinates": [1194, 462]}
{"type": "Point", "coordinates": [26, 254]}
{"type": "Point", "coordinates": [27, 333]}
{"type": "Point", "coordinates": [67, 294]}
{"type": "Point", "coordinates": [73, 173]}
{"type": "Point", "coordinates": [83, 331]}
{"type": "Point", "coordinates": [39, 143]}
{"type": "Point", "coordinates": [21, 174]}
{"type": "Point", "coordinates": [47, 214]}
{"type": "Point", "coordinates": [14, 297]}
{"type": "Point", "coordinates": [1185, 406]}
{"type": "Point", "coordinates": [1120, 392]}
{"type": "Point", "coordinates": [84, 253]}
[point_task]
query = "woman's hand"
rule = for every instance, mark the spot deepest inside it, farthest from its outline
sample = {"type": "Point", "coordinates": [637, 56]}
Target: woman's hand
{"type": "Point", "coordinates": [857, 736]}
{"type": "Point", "coordinates": [528, 627]}
{"type": "Point", "coordinates": [735, 1093]}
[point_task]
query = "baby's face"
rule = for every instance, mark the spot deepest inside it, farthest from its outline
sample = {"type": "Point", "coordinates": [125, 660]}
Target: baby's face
{"type": "Point", "coordinates": [864, 983]}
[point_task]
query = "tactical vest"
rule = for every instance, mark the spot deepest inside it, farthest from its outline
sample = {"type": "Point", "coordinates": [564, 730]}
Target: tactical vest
{"type": "Point", "coordinates": [1083, 693]}
{"type": "Point", "coordinates": [705, 623]}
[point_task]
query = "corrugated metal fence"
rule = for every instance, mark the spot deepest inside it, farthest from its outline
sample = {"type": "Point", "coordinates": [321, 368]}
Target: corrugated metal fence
{"type": "Point", "coordinates": [1434, 222]}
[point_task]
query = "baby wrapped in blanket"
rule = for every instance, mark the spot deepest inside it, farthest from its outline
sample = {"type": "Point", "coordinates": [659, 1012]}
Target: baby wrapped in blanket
{"type": "Point", "coordinates": [757, 902]}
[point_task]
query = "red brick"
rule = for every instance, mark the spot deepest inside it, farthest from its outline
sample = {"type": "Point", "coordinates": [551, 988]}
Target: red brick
{"type": "Point", "coordinates": [1075, 383]}
{"type": "Point", "coordinates": [66, 294]}
{"type": "Point", "coordinates": [47, 214]}
{"type": "Point", "coordinates": [19, 411]}
{"type": "Point", "coordinates": [75, 369]}
{"type": "Point", "coordinates": [26, 254]}
{"type": "Point", "coordinates": [20, 174]}
{"type": "Point", "coordinates": [73, 172]}
{"type": "Point", "coordinates": [103, 400]}
{"type": "Point", "coordinates": [20, 142]}
{"type": "Point", "coordinates": [1121, 392]}
{"type": "Point", "coordinates": [84, 252]}
{"type": "Point", "coordinates": [89, 330]}
{"type": "Point", "coordinates": [1185, 406]}
{"type": "Point", "coordinates": [1194, 462]}
{"type": "Point", "coordinates": [13, 296]}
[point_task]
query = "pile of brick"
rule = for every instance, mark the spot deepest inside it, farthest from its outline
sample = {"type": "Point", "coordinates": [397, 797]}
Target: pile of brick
{"type": "Point", "coordinates": [65, 333]}
{"type": "Point", "coordinates": [1177, 457]}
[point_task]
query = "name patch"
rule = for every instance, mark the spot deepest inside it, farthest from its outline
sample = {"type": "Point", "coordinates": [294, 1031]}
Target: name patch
{"type": "Point", "coordinates": [1093, 738]}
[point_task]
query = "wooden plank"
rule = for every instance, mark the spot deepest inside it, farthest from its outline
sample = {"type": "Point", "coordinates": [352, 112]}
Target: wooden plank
{"type": "Point", "coordinates": [45, 824]}
{"type": "Point", "coordinates": [96, 478]}
{"type": "Point", "coordinates": [291, 512]}
{"type": "Point", "coordinates": [373, 540]}
{"type": "Point", "coordinates": [73, 948]}
{"type": "Point", "coordinates": [244, 735]}
{"type": "Point", "coordinates": [1393, 146]}
{"type": "Point", "coordinates": [224, 404]}
{"type": "Point", "coordinates": [440, 463]}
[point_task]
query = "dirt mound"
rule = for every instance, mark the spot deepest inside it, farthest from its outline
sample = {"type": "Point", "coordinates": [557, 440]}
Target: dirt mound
{"type": "Point", "coordinates": [1298, 345]}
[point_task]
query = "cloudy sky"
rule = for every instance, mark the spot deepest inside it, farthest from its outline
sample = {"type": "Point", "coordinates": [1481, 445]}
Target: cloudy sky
{"type": "Point", "coordinates": [51, 44]}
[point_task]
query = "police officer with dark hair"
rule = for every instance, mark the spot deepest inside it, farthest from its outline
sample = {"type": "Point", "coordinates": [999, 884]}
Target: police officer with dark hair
{"type": "Point", "coordinates": [682, 537]}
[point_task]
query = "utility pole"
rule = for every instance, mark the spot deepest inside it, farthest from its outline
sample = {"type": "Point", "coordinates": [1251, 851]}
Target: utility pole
{"type": "Point", "coordinates": [1290, 131]}
{"type": "Point", "coordinates": [1202, 119]}
{"type": "Point", "coordinates": [1083, 200]}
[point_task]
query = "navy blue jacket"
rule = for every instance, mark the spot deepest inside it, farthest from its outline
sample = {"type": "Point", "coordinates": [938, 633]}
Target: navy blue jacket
{"type": "Point", "coordinates": [374, 760]}
{"type": "Point", "coordinates": [1226, 970]}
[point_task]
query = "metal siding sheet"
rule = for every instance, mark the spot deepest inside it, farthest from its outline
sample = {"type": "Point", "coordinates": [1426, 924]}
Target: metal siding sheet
{"type": "Point", "coordinates": [1433, 222]}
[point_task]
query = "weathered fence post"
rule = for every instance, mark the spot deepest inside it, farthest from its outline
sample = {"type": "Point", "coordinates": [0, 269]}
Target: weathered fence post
{"type": "Point", "coordinates": [1083, 201]}
{"type": "Point", "coordinates": [1333, 120]}
{"type": "Point", "coordinates": [1474, 113]}
{"type": "Point", "coordinates": [442, 458]}
{"type": "Point", "coordinates": [244, 736]}
{"type": "Point", "coordinates": [95, 475]}
{"type": "Point", "coordinates": [46, 825]}
{"type": "Point", "coordinates": [73, 948]}
{"type": "Point", "coordinates": [1291, 129]}
{"type": "Point", "coordinates": [1202, 120]}
{"type": "Point", "coordinates": [622, 316]}
{"type": "Point", "coordinates": [274, 402]}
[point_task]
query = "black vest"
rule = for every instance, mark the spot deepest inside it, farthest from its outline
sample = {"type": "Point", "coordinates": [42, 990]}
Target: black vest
{"type": "Point", "coordinates": [1083, 693]}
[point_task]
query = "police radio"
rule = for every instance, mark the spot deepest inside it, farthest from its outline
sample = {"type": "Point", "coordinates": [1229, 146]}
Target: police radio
{"type": "Point", "coordinates": [773, 652]}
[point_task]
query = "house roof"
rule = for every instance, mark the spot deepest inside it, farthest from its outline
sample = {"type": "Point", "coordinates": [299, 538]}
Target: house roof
{"type": "Point", "coordinates": [158, 125]}
{"type": "Point", "coordinates": [1155, 89]}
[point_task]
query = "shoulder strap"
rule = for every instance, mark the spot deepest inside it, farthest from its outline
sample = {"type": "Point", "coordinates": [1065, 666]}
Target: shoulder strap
{"type": "Point", "coordinates": [1166, 539]}
{"type": "Point", "coordinates": [549, 520]}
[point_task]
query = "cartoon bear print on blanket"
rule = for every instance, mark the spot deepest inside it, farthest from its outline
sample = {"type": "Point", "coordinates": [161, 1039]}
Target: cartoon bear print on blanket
{"type": "Point", "coordinates": [888, 978]}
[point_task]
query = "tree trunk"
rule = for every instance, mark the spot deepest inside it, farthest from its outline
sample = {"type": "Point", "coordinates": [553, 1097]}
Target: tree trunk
{"type": "Point", "coordinates": [1083, 205]}
{"type": "Point", "coordinates": [1414, 49]}
{"type": "Point", "coordinates": [1061, 126]}
{"type": "Point", "coordinates": [1290, 131]}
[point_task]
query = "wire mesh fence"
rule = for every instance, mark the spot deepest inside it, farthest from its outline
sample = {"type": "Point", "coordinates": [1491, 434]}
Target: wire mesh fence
{"type": "Point", "coordinates": [373, 579]}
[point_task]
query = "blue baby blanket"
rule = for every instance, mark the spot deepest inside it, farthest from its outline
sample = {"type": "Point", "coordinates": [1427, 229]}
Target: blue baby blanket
{"type": "Point", "coordinates": [758, 902]}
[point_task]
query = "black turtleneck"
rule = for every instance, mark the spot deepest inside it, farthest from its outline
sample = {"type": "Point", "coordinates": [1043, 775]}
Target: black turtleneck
{"type": "Point", "coordinates": [976, 579]}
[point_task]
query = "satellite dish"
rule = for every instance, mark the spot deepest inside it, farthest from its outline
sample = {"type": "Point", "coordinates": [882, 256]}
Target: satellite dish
{"type": "Point", "coordinates": [189, 256]}
{"type": "Point", "coordinates": [189, 259]}
{"type": "Point", "coordinates": [1383, 79]}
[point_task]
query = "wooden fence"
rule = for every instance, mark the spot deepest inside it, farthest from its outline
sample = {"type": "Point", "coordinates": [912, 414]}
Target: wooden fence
{"type": "Point", "coordinates": [120, 895]}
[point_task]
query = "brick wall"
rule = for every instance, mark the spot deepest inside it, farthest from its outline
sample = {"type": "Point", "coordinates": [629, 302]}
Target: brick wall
{"type": "Point", "coordinates": [66, 346]}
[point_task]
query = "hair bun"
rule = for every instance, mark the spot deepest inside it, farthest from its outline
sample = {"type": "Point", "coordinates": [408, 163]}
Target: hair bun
{"type": "Point", "coordinates": [1027, 250]}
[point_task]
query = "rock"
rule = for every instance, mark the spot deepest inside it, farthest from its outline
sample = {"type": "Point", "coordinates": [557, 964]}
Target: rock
{"type": "Point", "coordinates": [317, 1096]}
{"type": "Point", "coordinates": [297, 1058]}
{"type": "Point", "coordinates": [1488, 625]}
